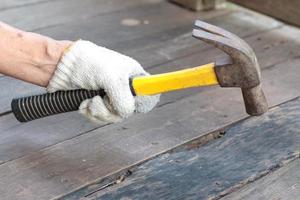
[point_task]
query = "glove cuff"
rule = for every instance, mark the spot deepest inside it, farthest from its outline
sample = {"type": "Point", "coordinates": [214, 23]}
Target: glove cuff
{"type": "Point", "coordinates": [61, 79]}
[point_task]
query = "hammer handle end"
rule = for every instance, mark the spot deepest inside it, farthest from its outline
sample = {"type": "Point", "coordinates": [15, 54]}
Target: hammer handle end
{"type": "Point", "coordinates": [34, 107]}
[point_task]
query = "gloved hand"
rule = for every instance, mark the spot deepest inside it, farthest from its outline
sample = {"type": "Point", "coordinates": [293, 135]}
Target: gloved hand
{"type": "Point", "coordinates": [88, 66]}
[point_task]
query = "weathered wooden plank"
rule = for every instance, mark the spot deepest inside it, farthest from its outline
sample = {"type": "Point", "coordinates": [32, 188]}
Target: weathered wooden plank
{"type": "Point", "coordinates": [11, 88]}
{"type": "Point", "coordinates": [249, 150]}
{"type": "Point", "coordinates": [271, 47]}
{"type": "Point", "coordinates": [23, 139]}
{"type": "Point", "coordinates": [177, 43]}
{"type": "Point", "coordinates": [282, 184]}
{"type": "Point", "coordinates": [287, 11]}
{"type": "Point", "coordinates": [163, 25]}
{"type": "Point", "coordinates": [52, 13]}
{"type": "Point", "coordinates": [114, 28]}
{"type": "Point", "coordinates": [64, 167]}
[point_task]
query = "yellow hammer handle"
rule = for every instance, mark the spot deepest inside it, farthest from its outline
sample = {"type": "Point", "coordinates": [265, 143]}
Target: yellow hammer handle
{"type": "Point", "coordinates": [193, 77]}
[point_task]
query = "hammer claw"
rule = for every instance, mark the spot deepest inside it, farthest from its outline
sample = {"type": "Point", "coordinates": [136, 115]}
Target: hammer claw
{"type": "Point", "coordinates": [220, 38]}
{"type": "Point", "coordinates": [223, 43]}
{"type": "Point", "coordinates": [214, 29]}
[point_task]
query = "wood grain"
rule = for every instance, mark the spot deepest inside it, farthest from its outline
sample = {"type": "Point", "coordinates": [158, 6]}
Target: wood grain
{"type": "Point", "coordinates": [282, 184]}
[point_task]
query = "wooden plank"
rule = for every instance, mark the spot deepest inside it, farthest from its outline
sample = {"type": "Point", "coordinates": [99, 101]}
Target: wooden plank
{"type": "Point", "coordinates": [287, 11]}
{"type": "Point", "coordinates": [11, 88]}
{"type": "Point", "coordinates": [148, 19]}
{"type": "Point", "coordinates": [197, 4]}
{"type": "Point", "coordinates": [22, 139]}
{"type": "Point", "coordinates": [53, 13]}
{"type": "Point", "coordinates": [177, 43]}
{"type": "Point", "coordinates": [62, 168]}
{"type": "Point", "coordinates": [282, 184]}
{"type": "Point", "coordinates": [163, 25]}
{"type": "Point", "coordinates": [249, 150]}
{"type": "Point", "coordinates": [270, 47]}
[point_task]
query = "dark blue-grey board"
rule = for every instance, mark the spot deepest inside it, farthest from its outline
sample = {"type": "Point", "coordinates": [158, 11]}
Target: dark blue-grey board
{"type": "Point", "coordinates": [249, 150]}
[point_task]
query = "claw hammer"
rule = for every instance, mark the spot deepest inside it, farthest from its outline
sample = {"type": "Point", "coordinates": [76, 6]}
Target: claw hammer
{"type": "Point", "coordinates": [239, 68]}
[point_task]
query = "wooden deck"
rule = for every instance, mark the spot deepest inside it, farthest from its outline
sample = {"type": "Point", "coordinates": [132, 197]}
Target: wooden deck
{"type": "Point", "coordinates": [55, 156]}
{"type": "Point", "coordinates": [244, 153]}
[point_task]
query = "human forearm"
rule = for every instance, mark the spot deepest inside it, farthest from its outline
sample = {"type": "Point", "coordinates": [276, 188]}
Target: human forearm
{"type": "Point", "coordinates": [28, 56]}
{"type": "Point", "coordinates": [44, 61]}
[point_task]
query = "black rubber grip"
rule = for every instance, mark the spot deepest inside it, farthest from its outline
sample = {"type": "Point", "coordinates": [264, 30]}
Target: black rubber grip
{"type": "Point", "coordinates": [39, 106]}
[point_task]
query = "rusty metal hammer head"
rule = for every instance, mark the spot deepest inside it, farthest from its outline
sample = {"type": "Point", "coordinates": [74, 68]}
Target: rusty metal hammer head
{"type": "Point", "coordinates": [239, 68]}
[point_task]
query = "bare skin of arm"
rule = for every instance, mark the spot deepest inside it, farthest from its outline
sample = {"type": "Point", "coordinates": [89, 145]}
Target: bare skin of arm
{"type": "Point", "coordinates": [29, 56]}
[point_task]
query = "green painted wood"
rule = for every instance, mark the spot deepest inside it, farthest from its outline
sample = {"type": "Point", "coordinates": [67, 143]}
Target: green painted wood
{"type": "Point", "coordinates": [249, 150]}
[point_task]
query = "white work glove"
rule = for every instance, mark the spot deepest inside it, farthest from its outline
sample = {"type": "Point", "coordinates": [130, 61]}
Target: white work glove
{"type": "Point", "coordinates": [88, 66]}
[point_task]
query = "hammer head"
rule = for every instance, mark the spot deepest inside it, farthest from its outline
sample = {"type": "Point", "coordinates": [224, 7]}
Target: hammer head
{"type": "Point", "coordinates": [239, 68]}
